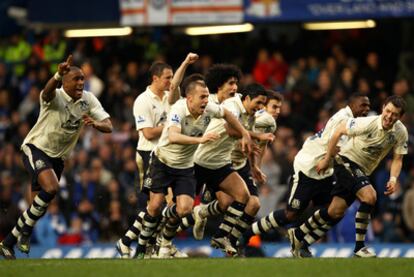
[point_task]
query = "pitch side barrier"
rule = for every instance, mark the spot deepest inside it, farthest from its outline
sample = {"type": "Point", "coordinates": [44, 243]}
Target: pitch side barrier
{"type": "Point", "coordinates": [277, 250]}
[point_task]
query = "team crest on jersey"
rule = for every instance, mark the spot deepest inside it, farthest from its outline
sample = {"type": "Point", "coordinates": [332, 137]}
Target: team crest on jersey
{"type": "Point", "coordinates": [207, 120]}
{"type": "Point", "coordinates": [84, 106]}
{"type": "Point", "coordinates": [39, 164]}
{"type": "Point", "coordinates": [390, 140]}
{"type": "Point", "coordinates": [295, 203]}
{"type": "Point", "coordinates": [175, 118]}
{"type": "Point", "coordinates": [163, 118]}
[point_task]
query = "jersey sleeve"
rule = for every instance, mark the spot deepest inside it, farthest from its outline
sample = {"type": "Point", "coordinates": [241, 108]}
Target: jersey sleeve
{"type": "Point", "coordinates": [232, 107]}
{"type": "Point", "coordinates": [176, 116]}
{"type": "Point", "coordinates": [215, 109]}
{"type": "Point", "coordinates": [358, 126]}
{"type": "Point", "coordinates": [96, 111]}
{"type": "Point", "coordinates": [142, 115]}
{"type": "Point", "coordinates": [265, 123]}
{"type": "Point", "coordinates": [401, 147]}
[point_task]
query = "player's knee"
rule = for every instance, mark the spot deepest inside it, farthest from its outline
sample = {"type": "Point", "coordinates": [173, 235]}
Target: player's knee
{"type": "Point", "coordinates": [253, 205]}
{"type": "Point", "coordinates": [183, 211]}
{"type": "Point", "coordinates": [52, 189]}
{"type": "Point", "coordinates": [154, 208]}
{"type": "Point", "coordinates": [336, 212]}
{"type": "Point", "coordinates": [242, 198]}
{"type": "Point", "coordinates": [369, 198]}
{"type": "Point", "coordinates": [224, 205]}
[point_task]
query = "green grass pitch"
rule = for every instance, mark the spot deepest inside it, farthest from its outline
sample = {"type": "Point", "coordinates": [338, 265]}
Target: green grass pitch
{"type": "Point", "coordinates": [208, 267]}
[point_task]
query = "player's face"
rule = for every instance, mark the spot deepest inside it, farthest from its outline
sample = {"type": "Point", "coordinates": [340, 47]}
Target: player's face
{"type": "Point", "coordinates": [164, 81]}
{"type": "Point", "coordinates": [198, 100]}
{"type": "Point", "coordinates": [255, 104]}
{"type": "Point", "coordinates": [73, 84]}
{"type": "Point", "coordinates": [390, 115]}
{"type": "Point", "coordinates": [362, 106]}
{"type": "Point", "coordinates": [273, 107]}
{"type": "Point", "coordinates": [228, 89]}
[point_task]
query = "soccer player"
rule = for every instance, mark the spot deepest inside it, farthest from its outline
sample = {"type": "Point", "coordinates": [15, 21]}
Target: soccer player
{"type": "Point", "coordinates": [214, 168]}
{"type": "Point", "coordinates": [307, 184]}
{"type": "Point", "coordinates": [150, 112]}
{"type": "Point", "coordinates": [172, 163]}
{"type": "Point", "coordinates": [63, 112]}
{"type": "Point", "coordinates": [371, 139]}
{"type": "Point", "coordinates": [222, 82]}
{"type": "Point", "coordinates": [266, 119]}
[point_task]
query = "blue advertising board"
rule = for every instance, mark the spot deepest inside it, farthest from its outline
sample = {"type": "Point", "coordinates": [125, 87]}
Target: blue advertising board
{"type": "Point", "coordinates": [320, 10]}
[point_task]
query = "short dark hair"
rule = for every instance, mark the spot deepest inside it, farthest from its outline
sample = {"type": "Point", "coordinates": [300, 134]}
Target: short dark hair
{"type": "Point", "coordinates": [157, 68]}
{"type": "Point", "coordinates": [192, 85]}
{"type": "Point", "coordinates": [274, 95]}
{"type": "Point", "coordinates": [189, 79]}
{"type": "Point", "coordinates": [218, 74]}
{"type": "Point", "coordinates": [398, 102]}
{"type": "Point", "coordinates": [354, 96]}
{"type": "Point", "coordinates": [253, 90]}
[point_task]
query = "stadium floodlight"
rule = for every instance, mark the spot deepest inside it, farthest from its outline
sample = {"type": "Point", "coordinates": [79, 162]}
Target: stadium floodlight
{"type": "Point", "coordinates": [222, 29]}
{"type": "Point", "coordinates": [99, 32]}
{"type": "Point", "coordinates": [339, 25]}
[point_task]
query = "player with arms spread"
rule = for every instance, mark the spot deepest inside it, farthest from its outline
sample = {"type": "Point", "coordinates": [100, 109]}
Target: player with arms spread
{"type": "Point", "coordinates": [63, 112]}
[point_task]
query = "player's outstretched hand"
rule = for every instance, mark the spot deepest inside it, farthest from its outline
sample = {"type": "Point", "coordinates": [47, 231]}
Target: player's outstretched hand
{"type": "Point", "coordinates": [64, 67]}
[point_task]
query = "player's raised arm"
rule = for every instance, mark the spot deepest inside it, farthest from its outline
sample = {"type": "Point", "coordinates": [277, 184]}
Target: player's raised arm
{"type": "Point", "coordinates": [174, 94]}
{"type": "Point", "coordinates": [49, 92]}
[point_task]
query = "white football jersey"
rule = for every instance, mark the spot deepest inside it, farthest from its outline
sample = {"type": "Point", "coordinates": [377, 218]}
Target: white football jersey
{"type": "Point", "coordinates": [181, 155]}
{"type": "Point", "coordinates": [149, 111]}
{"type": "Point", "coordinates": [315, 147]}
{"type": "Point", "coordinates": [265, 123]}
{"type": "Point", "coordinates": [239, 158]}
{"type": "Point", "coordinates": [216, 154]}
{"type": "Point", "coordinates": [369, 143]}
{"type": "Point", "coordinates": [57, 129]}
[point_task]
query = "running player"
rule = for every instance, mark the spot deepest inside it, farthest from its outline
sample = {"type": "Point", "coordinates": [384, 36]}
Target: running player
{"type": "Point", "coordinates": [63, 112]}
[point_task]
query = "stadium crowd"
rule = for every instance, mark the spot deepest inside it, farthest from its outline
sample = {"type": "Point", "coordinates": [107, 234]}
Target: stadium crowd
{"type": "Point", "coordinates": [97, 200]}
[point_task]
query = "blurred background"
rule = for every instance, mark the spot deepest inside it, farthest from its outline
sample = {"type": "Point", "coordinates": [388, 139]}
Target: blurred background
{"type": "Point", "coordinates": [315, 70]}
